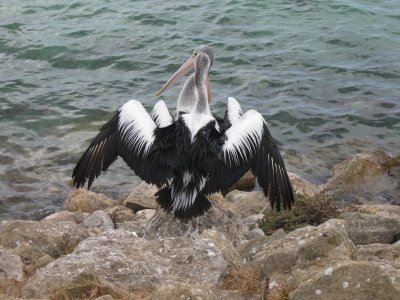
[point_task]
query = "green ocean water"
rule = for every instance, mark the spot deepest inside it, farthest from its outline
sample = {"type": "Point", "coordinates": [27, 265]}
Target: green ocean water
{"type": "Point", "coordinates": [325, 75]}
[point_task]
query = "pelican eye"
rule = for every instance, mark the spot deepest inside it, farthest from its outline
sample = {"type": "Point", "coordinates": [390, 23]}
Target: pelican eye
{"type": "Point", "coordinates": [194, 53]}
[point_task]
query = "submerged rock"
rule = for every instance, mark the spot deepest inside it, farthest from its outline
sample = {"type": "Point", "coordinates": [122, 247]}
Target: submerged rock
{"type": "Point", "coordinates": [87, 201]}
{"type": "Point", "coordinates": [121, 258]}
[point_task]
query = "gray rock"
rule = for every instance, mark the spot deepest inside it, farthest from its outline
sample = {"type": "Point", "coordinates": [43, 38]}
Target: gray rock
{"type": "Point", "coordinates": [87, 201]}
{"type": "Point", "coordinates": [247, 203]}
{"type": "Point", "coordinates": [183, 291]}
{"type": "Point", "coordinates": [142, 197]}
{"type": "Point", "coordinates": [350, 280]}
{"type": "Point", "coordinates": [32, 257]}
{"type": "Point", "coordinates": [53, 238]}
{"type": "Point", "coordinates": [139, 223]}
{"type": "Point", "coordinates": [98, 219]}
{"type": "Point", "coordinates": [223, 220]}
{"type": "Point", "coordinates": [305, 246]}
{"type": "Point", "coordinates": [366, 229]}
{"type": "Point", "coordinates": [11, 266]}
{"type": "Point", "coordinates": [118, 256]}
{"type": "Point", "coordinates": [250, 234]}
{"type": "Point", "coordinates": [228, 251]}
{"type": "Point", "coordinates": [381, 253]}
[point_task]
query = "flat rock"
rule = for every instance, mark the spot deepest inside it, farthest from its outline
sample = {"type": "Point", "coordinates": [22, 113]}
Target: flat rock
{"type": "Point", "coordinates": [142, 197]}
{"type": "Point", "coordinates": [122, 259]}
{"type": "Point", "coordinates": [366, 229]}
{"type": "Point", "coordinates": [98, 219]}
{"type": "Point", "coordinates": [351, 280]}
{"type": "Point", "coordinates": [223, 220]}
{"type": "Point", "coordinates": [87, 201]}
{"type": "Point", "coordinates": [53, 238]}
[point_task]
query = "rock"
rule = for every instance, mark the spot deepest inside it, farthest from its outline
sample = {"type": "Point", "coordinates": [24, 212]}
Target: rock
{"type": "Point", "coordinates": [120, 213]}
{"type": "Point", "coordinates": [302, 186]}
{"type": "Point", "coordinates": [66, 216]}
{"type": "Point", "coordinates": [84, 285]}
{"type": "Point", "coordinates": [53, 238]}
{"type": "Point", "coordinates": [304, 246]}
{"type": "Point", "coordinates": [87, 201]}
{"type": "Point", "coordinates": [98, 219]}
{"type": "Point", "coordinates": [142, 197]}
{"type": "Point", "coordinates": [351, 280]}
{"type": "Point", "coordinates": [253, 233]}
{"type": "Point", "coordinates": [367, 176]}
{"type": "Point", "coordinates": [140, 222]}
{"type": "Point", "coordinates": [248, 203]}
{"type": "Point", "coordinates": [380, 253]}
{"type": "Point", "coordinates": [11, 266]}
{"type": "Point", "coordinates": [105, 297]}
{"type": "Point", "coordinates": [118, 257]}
{"type": "Point", "coordinates": [252, 219]}
{"type": "Point", "coordinates": [366, 229]}
{"type": "Point", "coordinates": [183, 291]}
{"type": "Point", "coordinates": [246, 183]}
{"type": "Point", "coordinates": [32, 257]}
{"type": "Point", "coordinates": [230, 254]}
{"type": "Point", "coordinates": [223, 220]}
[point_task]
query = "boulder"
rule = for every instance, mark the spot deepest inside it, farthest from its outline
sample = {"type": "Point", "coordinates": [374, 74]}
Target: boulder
{"type": "Point", "coordinates": [381, 253]}
{"type": "Point", "coordinates": [303, 187]}
{"type": "Point", "coordinates": [33, 257]}
{"type": "Point", "coordinates": [139, 223]}
{"type": "Point", "coordinates": [183, 291]}
{"type": "Point", "coordinates": [248, 203]}
{"type": "Point", "coordinates": [350, 280]}
{"type": "Point", "coordinates": [121, 258]}
{"type": "Point", "coordinates": [366, 229]}
{"type": "Point", "coordinates": [66, 216]}
{"type": "Point", "coordinates": [305, 246]}
{"type": "Point", "coordinates": [367, 176]}
{"type": "Point", "coordinates": [87, 201]}
{"type": "Point", "coordinates": [142, 197]}
{"type": "Point", "coordinates": [53, 238]}
{"type": "Point", "coordinates": [224, 221]}
{"type": "Point", "coordinates": [120, 213]}
{"type": "Point", "coordinates": [98, 219]}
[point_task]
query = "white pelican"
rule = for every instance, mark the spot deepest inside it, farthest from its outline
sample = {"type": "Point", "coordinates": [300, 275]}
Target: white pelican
{"type": "Point", "coordinates": [190, 157]}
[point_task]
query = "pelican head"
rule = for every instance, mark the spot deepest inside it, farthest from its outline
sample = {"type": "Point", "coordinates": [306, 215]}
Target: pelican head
{"type": "Point", "coordinates": [189, 65]}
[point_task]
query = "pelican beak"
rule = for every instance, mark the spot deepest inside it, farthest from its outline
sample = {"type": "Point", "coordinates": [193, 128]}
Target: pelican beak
{"type": "Point", "coordinates": [186, 67]}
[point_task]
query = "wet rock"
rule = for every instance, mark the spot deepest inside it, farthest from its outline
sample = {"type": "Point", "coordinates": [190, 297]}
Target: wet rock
{"type": "Point", "coordinates": [367, 176]}
{"type": "Point", "coordinates": [351, 280]}
{"type": "Point", "coordinates": [121, 256]}
{"type": "Point", "coordinates": [53, 238]}
{"type": "Point", "coordinates": [246, 183]}
{"type": "Point", "coordinates": [87, 201]}
{"type": "Point", "coordinates": [142, 197]}
{"type": "Point", "coordinates": [11, 266]}
{"type": "Point", "coordinates": [183, 291]}
{"type": "Point", "coordinates": [224, 221]}
{"type": "Point", "coordinates": [98, 219]}
{"type": "Point", "coordinates": [228, 251]}
{"type": "Point", "coordinates": [66, 216]}
{"type": "Point", "coordinates": [303, 187]}
{"type": "Point", "coordinates": [366, 229]}
{"type": "Point", "coordinates": [139, 223]}
{"type": "Point", "coordinates": [248, 203]}
{"type": "Point", "coordinates": [304, 246]}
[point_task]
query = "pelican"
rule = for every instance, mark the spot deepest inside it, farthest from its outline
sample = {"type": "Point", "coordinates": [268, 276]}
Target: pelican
{"type": "Point", "coordinates": [190, 157]}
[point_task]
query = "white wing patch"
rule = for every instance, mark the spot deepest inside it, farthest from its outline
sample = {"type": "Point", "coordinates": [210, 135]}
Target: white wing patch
{"type": "Point", "coordinates": [243, 137]}
{"type": "Point", "coordinates": [234, 110]}
{"type": "Point", "coordinates": [161, 114]}
{"type": "Point", "coordinates": [136, 126]}
{"type": "Point", "coordinates": [184, 200]}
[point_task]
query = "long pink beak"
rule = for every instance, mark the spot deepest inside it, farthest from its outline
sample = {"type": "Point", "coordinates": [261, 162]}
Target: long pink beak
{"type": "Point", "coordinates": [184, 69]}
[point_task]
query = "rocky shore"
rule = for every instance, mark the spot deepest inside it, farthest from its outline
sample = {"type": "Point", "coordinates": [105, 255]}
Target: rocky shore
{"type": "Point", "coordinates": [99, 249]}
